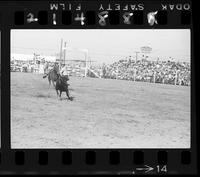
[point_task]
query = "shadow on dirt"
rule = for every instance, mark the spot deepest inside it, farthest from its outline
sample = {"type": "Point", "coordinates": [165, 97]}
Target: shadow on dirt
{"type": "Point", "coordinates": [43, 96]}
{"type": "Point", "coordinates": [71, 89]}
{"type": "Point", "coordinates": [71, 98]}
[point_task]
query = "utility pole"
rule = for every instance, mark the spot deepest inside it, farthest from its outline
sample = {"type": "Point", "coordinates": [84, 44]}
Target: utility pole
{"type": "Point", "coordinates": [65, 44]}
{"type": "Point", "coordinates": [60, 53]}
{"type": "Point", "coordinates": [86, 64]}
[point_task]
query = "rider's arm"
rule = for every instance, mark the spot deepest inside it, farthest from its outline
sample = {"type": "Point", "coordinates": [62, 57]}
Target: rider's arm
{"type": "Point", "coordinates": [61, 71]}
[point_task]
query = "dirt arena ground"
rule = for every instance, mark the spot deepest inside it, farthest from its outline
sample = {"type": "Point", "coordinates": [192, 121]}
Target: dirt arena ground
{"type": "Point", "coordinates": [105, 113]}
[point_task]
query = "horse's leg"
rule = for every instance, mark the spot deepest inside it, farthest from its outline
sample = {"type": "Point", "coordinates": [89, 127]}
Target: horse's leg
{"type": "Point", "coordinates": [57, 93]}
{"type": "Point", "coordinates": [49, 79]}
{"type": "Point", "coordinates": [67, 93]}
{"type": "Point", "coordinates": [49, 84]}
{"type": "Point", "coordinates": [53, 84]}
{"type": "Point", "coordinates": [60, 94]}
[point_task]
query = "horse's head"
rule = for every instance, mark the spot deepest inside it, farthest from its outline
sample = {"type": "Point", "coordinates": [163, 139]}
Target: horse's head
{"type": "Point", "coordinates": [59, 77]}
{"type": "Point", "coordinates": [66, 77]}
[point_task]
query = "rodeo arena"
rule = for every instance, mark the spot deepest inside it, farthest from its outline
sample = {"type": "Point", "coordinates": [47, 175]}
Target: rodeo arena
{"type": "Point", "coordinates": [134, 102]}
{"type": "Point", "coordinates": [141, 69]}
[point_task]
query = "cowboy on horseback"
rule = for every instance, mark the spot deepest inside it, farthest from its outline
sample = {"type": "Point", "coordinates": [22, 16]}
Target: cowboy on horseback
{"type": "Point", "coordinates": [49, 68]}
{"type": "Point", "coordinates": [64, 73]}
{"type": "Point", "coordinates": [59, 80]}
{"type": "Point", "coordinates": [54, 75]}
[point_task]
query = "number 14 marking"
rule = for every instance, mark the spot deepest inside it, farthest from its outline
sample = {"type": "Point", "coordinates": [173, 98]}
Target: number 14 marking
{"type": "Point", "coordinates": [161, 168]}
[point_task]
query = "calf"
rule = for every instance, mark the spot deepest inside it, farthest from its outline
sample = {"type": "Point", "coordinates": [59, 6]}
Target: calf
{"type": "Point", "coordinates": [62, 86]}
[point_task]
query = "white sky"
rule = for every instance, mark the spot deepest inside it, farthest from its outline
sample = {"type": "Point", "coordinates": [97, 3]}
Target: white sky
{"type": "Point", "coordinates": [104, 45]}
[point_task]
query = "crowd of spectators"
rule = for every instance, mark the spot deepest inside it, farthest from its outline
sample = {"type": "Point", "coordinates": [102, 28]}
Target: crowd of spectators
{"type": "Point", "coordinates": [166, 72]}
{"type": "Point", "coordinates": [160, 71]}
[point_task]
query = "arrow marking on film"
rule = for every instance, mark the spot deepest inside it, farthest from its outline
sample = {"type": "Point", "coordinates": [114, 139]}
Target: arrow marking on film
{"type": "Point", "coordinates": [146, 169]}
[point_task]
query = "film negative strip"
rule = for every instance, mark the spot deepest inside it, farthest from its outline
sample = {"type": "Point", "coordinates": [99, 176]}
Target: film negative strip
{"type": "Point", "coordinates": [98, 87]}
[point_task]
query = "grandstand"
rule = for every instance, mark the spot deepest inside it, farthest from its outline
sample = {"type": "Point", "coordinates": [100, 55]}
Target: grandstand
{"type": "Point", "coordinates": [166, 72]}
{"type": "Point", "coordinates": [140, 67]}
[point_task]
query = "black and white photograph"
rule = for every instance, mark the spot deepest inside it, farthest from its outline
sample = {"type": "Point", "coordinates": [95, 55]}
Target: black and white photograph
{"type": "Point", "coordinates": [97, 88]}
{"type": "Point", "coordinates": [0, 89]}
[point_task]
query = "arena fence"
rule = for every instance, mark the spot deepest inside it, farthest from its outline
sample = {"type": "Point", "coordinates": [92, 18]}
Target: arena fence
{"type": "Point", "coordinates": [81, 69]}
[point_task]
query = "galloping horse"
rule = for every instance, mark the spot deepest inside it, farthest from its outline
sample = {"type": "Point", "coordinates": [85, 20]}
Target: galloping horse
{"type": "Point", "coordinates": [52, 75]}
